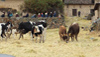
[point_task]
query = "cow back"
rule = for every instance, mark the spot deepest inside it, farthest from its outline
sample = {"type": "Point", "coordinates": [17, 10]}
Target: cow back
{"type": "Point", "coordinates": [74, 28]}
{"type": "Point", "coordinates": [62, 30]}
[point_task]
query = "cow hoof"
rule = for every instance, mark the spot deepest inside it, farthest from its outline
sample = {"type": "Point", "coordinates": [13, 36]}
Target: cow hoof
{"type": "Point", "coordinates": [43, 41]}
{"type": "Point", "coordinates": [66, 41]}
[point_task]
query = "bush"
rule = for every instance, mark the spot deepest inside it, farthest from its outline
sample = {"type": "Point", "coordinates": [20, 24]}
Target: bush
{"type": "Point", "coordinates": [38, 6]}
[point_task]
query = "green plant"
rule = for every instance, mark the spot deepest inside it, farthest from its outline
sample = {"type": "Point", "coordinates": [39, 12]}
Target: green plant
{"type": "Point", "coordinates": [38, 6]}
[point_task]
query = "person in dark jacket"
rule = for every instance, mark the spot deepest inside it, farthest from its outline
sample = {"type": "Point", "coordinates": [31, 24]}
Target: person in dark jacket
{"type": "Point", "coordinates": [3, 14]}
{"type": "Point", "coordinates": [27, 15]}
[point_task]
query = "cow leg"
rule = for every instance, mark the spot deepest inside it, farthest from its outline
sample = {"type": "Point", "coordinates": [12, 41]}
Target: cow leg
{"type": "Point", "coordinates": [44, 34]}
{"type": "Point", "coordinates": [72, 38]}
{"type": "Point", "coordinates": [1, 37]}
{"type": "Point", "coordinates": [36, 40]}
{"type": "Point", "coordinates": [67, 40]}
{"type": "Point", "coordinates": [76, 37]}
{"type": "Point", "coordinates": [31, 37]}
{"type": "Point", "coordinates": [61, 38]}
{"type": "Point", "coordinates": [5, 37]}
{"type": "Point", "coordinates": [40, 38]}
{"type": "Point", "coordinates": [10, 33]}
{"type": "Point", "coordinates": [20, 36]}
{"type": "Point", "coordinates": [43, 38]}
{"type": "Point", "coordinates": [2, 32]}
{"type": "Point", "coordinates": [13, 35]}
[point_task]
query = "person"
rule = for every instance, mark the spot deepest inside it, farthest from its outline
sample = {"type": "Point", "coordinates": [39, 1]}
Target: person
{"type": "Point", "coordinates": [34, 16]}
{"type": "Point", "coordinates": [50, 14]}
{"type": "Point", "coordinates": [17, 15]}
{"type": "Point", "coordinates": [46, 14]}
{"type": "Point", "coordinates": [54, 15]}
{"type": "Point", "coordinates": [39, 15]}
{"type": "Point", "coordinates": [59, 15]}
{"type": "Point", "coordinates": [10, 15]}
{"type": "Point", "coordinates": [27, 15]}
{"type": "Point", "coordinates": [79, 13]}
{"type": "Point", "coordinates": [3, 14]}
{"type": "Point", "coordinates": [42, 15]}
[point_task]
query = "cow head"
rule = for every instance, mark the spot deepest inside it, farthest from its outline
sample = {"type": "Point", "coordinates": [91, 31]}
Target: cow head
{"type": "Point", "coordinates": [65, 37]}
{"type": "Point", "coordinates": [69, 34]}
{"type": "Point", "coordinates": [9, 24]}
{"type": "Point", "coordinates": [36, 29]}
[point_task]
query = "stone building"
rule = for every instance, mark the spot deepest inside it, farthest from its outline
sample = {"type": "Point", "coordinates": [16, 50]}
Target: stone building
{"type": "Point", "coordinates": [71, 7]}
{"type": "Point", "coordinates": [97, 9]}
{"type": "Point", "coordinates": [78, 7]}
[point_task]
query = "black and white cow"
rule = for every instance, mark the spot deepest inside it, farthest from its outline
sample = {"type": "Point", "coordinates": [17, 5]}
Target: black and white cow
{"type": "Point", "coordinates": [4, 28]}
{"type": "Point", "coordinates": [36, 28]}
{"type": "Point", "coordinates": [39, 29]}
{"type": "Point", "coordinates": [25, 27]}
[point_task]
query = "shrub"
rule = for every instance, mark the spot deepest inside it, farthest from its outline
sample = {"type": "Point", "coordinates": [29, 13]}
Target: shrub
{"type": "Point", "coordinates": [38, 6]}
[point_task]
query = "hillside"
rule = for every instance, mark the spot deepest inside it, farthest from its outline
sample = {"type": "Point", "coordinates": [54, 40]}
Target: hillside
{"type": "Point", "coordinates": [15, 4]}
{"type": "Point", "coordinates": [87, 46]}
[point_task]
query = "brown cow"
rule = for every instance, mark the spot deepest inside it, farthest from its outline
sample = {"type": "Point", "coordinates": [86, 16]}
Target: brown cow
{"type": "Point", "coordinates": [74, 31]}
{"type": "Point", "coordinates": [63, 33]}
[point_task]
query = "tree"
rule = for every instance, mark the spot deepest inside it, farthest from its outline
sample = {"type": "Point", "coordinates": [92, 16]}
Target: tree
{"type": "Point", "coordinates": [38, 6]}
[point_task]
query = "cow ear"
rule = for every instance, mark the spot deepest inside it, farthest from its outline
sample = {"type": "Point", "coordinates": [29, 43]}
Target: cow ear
{"type": "Point", "coordinates": [69, 34]}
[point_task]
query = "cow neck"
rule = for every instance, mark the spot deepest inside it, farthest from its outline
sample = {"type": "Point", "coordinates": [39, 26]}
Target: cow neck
{"type": "Point", "coordinates": [6, 24]}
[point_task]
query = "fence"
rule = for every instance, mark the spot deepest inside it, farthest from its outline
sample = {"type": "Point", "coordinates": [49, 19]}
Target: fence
{"type": "Point", "coordinates": [53, 22]}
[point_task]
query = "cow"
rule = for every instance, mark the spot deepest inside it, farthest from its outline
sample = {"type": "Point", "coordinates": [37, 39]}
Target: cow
{"type": "Point", "coordinates": [36, 28]}
{"type": "Point", "coordinates": [4, 28]}
{"type": "Point", "coordinates": [14, 30]}
{"type": "Point", "coordinates": [63, 33]}
{"type": "Point", "coordinates": [25, 27]}
{"type": "Point", "coordinates": [41, 27]}
{"type": "Point", "coordinates": [74, 31]}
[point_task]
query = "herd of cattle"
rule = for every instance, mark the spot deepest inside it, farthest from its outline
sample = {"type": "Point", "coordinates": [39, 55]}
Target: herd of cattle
{"type": "Point", "coordinates": [36, 29]}
{"type": "Point", "coordinates": [72, 32]}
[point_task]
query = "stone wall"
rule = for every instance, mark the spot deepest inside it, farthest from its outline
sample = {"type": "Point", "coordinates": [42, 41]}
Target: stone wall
{"type": "Point", "coordinates": [84, 9]}
{"type": "Point", "coordinates": [53, 22]}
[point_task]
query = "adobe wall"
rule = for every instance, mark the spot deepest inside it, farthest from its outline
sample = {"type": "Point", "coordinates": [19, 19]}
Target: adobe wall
{"type": "Point", "coordinates": [85, 9]}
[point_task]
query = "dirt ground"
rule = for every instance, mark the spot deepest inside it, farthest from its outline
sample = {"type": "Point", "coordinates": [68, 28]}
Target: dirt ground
{"type": "Point", "coordinates": [87, 46]}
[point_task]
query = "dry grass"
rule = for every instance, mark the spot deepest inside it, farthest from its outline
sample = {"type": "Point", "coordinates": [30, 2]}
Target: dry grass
{"type": "Point", "coordinates": [87, 46]}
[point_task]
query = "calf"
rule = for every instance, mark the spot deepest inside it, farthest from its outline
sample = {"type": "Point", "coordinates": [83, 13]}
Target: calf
{"type": "Point", "coordinates": [74, 31]}
{"type": "Point", "coordinates": [4, 28]}
{"type": "Point", "coordinates": [14, 30]}
{"type": "Point", "coordinates": [63, 33]}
